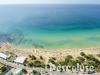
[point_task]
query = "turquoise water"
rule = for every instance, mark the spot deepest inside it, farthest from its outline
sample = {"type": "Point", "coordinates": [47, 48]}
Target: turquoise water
{"type": "Point", "coordinates": [50, 26]}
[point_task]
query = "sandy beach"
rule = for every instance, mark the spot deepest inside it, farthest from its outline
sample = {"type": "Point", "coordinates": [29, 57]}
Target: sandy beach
{"type": "Point", "coordinates": [46, 54]}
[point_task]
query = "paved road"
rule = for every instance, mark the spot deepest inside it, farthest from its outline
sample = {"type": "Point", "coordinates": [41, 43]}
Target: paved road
{"type": "Point", "coordinates": [37, 69]}
{"type": "Point", "coordinates": [28, 68]}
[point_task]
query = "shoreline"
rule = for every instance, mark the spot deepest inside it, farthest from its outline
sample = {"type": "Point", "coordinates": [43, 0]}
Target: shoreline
{"type": "Point", "coordinates": [9, 46]}
{"type": "Point", "coordinates": [58, 54]}
{"type": "Point", "coordinates": [44, 49]}
{"type": "Point", "coordinates": [49, 53]}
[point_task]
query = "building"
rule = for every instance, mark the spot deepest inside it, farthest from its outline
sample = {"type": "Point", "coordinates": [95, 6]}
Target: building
{"type": "Point", "coordinates": [4, 56]}
{"type": "Point", "coordinates": [20, 60]}
{"type": "Point", "coordinates": [18, 72]}
{"type": "Point", "coordinates": [9, 73]}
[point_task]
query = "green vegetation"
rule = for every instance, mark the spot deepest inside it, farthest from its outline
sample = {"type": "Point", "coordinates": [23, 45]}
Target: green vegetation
{"type": "Point", "coordinates": [48, 66]}
{"type": "Point", "coordinates": [67, 60]}
{"type": "Point", "coordinates": [91, 60]}
{"type": "Point", "coordinates": [36, 73]}
{"type": "Point", "coordinates": [41, 57]}
{"type": "Point", "coordinates": [3, 68]}
{"type": "Point", "coordinates": [81, 59]}
{"type": "Point", "coordinates": [32, 57]}
{"type": "Point", "coordinates": [53, 58]}
{"type": "Point", "coordinates": [30, 64]}
{"type": "Point", "coordinates": [74, 62]}
{"type": "Point", "coordinates": [24, 70]}
{"type": "Point", "coordinates": [52, 61]}
{"type": "Point", "coordinates": [86, 60]}
{"type": "Point", "coordinates": [43, 65]}
{"type": "Point", "coordinates": [69, 57]}
{"type": "Point", "coordinates": [36, 63]}
{"type": "Point", "coordinates": [11, 58]}
{"type": "Point", "coordinates": [82, 54]}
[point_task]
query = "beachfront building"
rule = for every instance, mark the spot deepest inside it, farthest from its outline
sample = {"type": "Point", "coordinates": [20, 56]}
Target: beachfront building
{"type": "Point", "coordinates": [4, 56]}
{"type": "Point", "coordinates": [20, 60]}
{"type": "Point", "coordinates": [9, 73]}
{"type": "Point", "coordinates": [18, 72]}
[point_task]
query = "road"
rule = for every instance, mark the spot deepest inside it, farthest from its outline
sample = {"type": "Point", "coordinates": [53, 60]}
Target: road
{"type": "Point", "coordinates": [15, 65]}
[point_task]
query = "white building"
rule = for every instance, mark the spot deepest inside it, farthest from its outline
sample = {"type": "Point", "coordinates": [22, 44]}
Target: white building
{"type": "Point", "coordinates": [20, 60]}
{"type": "Point", "coordinates": [2, 55]}
{"type": "Point", "coordinates": [18, 72]}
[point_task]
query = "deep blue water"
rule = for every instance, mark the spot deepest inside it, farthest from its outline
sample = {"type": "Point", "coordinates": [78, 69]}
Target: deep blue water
{"type": "Point", "coordinates": [50, 26]}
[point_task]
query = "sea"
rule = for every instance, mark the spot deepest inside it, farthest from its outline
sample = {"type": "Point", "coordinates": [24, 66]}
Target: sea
{"type": "Point", "coordinates": [50, 26]}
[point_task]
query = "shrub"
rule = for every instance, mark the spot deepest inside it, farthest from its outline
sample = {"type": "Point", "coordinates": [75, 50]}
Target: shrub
{"type": "Point", "coordinates": [69, 57]}
{"type": "Point", "coordinates": [48, 66]}
{"type": "Point", "coordinates": [43, 65]}
{"type": "Point", "coordinates": [3, 68]}
{"type": "Point", "coordinates": [82, 54]}
{"type": "Point", "coordinates": [34, 71]}
{"type": "Point", "coordinates": [30, 64]}
{"type": "Point", "coordinates": [81, 59]}
{"type": "Point", "coordinates": [33, 57]}
{"type": "Point", "coordinates": [24, 70]}
{"type": "Point", "coordinates": [41, 57]}
{"type": "Point", "coordinates": [53, 58]}
{"type": "Point", "coordinates": [52, 61]}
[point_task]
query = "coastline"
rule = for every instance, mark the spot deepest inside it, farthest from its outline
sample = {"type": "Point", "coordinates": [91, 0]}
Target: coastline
{"type": "Point", "coordinates": [48, 54]}
{"type": "Point", "coordinates": [59, 54]}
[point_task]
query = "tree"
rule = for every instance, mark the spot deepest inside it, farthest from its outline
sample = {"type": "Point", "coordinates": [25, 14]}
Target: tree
{"type": "Point", "coordinates": [81, 59]}
{"type": "Point", "coordinates": [43, 65]}
{"type": "Point", "coordinates": [56, 64]}
{"type": "Point", "coordinates": [30, 64]}
{"type": "Point", "coordinates": [53, 58]}
{"type": "Point", "coordinates": [37, 61]}
{"type": "Point", "coordinates": [74, 63]}
{"type": "Point", "coordinates": [82, 54]}
{"type": "Point", "coordinates": [29, 56]}
{"type": "Point", "coordinates": [48, 66]}
{"type": "Point", "coordinates": [52, 61]}
{"type": "Point", "coordinates": [3, 68]}
{"type": "Point", "coordinates": [41, 57]}
{"type": "Point", "coordinates": [69, 57]}
{"type": "Point", "coordinates": [24, 70]}
{"type": "Point", "coordinates": [63, 63]}
{"type": "Point", "coordinates": [77, 61]}
{"type": "Point", "coordinates": [37, 64]}
{"type": "Point", "coordinates": [33, 57]}
{"type": "Point", "coordinates": [34, 71]}
{"type": "Point", "coordinates": [67, 60]}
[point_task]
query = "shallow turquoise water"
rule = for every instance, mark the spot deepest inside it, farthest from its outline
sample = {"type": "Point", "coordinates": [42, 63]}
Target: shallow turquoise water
{"type": "Point", "coordinates": [50, 26]}
{"type": "Point", "coordinates": [9, 73]}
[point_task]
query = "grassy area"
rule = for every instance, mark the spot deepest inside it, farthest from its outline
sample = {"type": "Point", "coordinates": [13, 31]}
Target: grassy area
{"type": "Point", "coordinates": [1, 65]}
{"type": "Point", "coordinates": [11, 58]}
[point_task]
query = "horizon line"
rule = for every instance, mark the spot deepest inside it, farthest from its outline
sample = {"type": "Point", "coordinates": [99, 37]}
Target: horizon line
{"type": "Point", "coordinates": [50, 3]}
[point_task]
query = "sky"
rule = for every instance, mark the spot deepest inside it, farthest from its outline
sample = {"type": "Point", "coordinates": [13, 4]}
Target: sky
{"type": "Point", "coordinates": [49, 1]}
